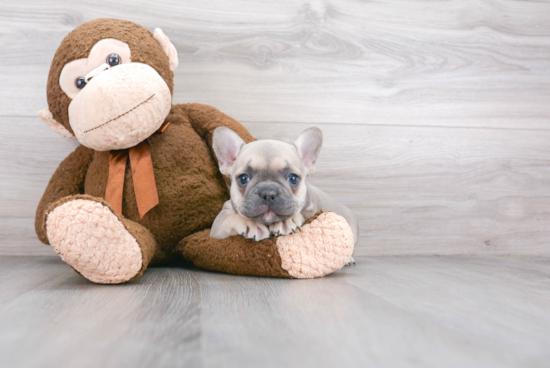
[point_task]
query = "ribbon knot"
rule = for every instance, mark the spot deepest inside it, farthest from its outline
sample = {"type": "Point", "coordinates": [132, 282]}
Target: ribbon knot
{"type": "Point", "coordinates": [143, 177]}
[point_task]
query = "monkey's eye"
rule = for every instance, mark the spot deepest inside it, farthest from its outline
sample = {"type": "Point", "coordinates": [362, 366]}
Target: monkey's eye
{"type": "Point", "coordinates": [293, 179]}
{"type": "Point", "coordinates": [243, 179]}
{"type": "Point", "coordinates": [80, 82]}
{"type": "Point", "coordinates": [113, 60]}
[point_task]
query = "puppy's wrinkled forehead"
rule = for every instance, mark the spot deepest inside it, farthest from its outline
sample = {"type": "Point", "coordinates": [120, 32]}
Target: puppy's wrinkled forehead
{"type": "Point", "coordinates": [268, 155]}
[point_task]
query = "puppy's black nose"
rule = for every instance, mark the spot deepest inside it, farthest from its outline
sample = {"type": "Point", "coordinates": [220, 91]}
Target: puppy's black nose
{"type": "Point", "coordinates": [268, 195]}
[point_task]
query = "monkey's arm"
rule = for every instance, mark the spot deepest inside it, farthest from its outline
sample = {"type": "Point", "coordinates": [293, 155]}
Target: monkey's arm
{"type": "Point", "coordinates": [67, 180]}
{"type": "Point", "coordinates": [323, 245]}
{"type": "Point", "coordinates": [205, 119]}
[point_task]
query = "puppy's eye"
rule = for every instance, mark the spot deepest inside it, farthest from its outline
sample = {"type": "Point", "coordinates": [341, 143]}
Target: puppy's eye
{"type": "Point", "coordinates": [293, 179]}
{"type": "Point", "coordinates": [113, 60]}
{"type": "Point", "coordinates": [243, 179]}
{"type": "Point", "coordinates": [80, 82]}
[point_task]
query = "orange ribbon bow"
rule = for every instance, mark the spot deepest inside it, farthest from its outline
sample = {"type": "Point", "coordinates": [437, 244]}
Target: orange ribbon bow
{"type": "Point", "coordinates": [143, 176]}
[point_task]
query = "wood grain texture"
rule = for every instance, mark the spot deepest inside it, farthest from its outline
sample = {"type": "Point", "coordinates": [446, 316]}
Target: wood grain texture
{"type": "Point", "coordinates": [414, 190]}
{"type": "Point", "coordinates": [435, 113]}
{"type": "Point", "coordinates": [383, 312]}
{"type": "Point", "coordinates": [437, 63]}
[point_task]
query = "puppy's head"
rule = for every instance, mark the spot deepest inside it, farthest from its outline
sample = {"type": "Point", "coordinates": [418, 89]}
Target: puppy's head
{"type": "Point", "coordinates": [267, 176]}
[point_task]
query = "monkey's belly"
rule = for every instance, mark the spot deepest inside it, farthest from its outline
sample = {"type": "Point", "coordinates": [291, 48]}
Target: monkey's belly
{"type": "Point", "coordinates": [190, 188]}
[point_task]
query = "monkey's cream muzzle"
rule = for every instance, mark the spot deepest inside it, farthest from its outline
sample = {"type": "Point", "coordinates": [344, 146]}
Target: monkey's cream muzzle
{"type": "Point", "coordinates": [120, 107]}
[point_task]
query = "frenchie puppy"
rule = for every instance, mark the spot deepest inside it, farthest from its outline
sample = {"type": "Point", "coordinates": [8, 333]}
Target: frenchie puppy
{"type": "Point", "coordinates": [269, 192]}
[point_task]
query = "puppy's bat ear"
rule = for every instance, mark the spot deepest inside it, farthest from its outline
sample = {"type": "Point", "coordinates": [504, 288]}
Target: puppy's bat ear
{"type": "Point", "coordinates": [309, 144]}
{"type": "Point", "coordinates": [226, 144]}
{"type": "Point", "coordinates": [168, 47]}
{"type": "Point", "coordinates": [47, 118]}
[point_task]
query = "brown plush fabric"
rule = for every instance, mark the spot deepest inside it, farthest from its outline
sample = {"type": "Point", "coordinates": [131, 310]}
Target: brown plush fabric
{"type": "Point", "coordinates": [146, 242]}
{"type": "Point", "coordinates": [234, 255]}
{"type": "Point", "coordinates": [77, 45]}
{"type": "Point", "coordinates": [67, 180]}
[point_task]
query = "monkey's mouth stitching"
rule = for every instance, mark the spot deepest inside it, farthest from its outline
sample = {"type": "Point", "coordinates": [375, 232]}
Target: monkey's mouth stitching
{"type": "Point", "coordinates": [121, 115]}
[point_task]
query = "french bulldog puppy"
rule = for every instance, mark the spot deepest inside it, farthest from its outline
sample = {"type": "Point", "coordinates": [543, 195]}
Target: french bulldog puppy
{"type": "Point", "coordinates": [269, 192]}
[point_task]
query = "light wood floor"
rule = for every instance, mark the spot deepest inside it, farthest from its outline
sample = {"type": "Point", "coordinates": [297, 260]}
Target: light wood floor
{"type": "Point", "coordinates": [383, 312]}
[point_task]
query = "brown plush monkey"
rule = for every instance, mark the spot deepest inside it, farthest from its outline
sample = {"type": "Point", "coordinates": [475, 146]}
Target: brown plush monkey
{"type": "Point", "coordinates": [144, 186]}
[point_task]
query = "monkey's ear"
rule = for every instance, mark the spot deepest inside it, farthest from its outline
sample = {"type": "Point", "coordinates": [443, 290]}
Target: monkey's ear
{"type": "Point", "coordinates": [168, 48]}
{"type": "Point", "coordinates": [47, 118]}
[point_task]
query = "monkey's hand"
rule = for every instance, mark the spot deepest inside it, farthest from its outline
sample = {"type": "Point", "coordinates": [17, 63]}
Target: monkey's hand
{"type": "Point", "coordinates": [287, 226]}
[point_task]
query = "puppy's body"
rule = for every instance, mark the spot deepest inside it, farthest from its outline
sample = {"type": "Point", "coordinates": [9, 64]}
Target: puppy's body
{"type": "Point", "coordinates": [320, 200]}
{"type": "Point", "coordinates": [269, 193]}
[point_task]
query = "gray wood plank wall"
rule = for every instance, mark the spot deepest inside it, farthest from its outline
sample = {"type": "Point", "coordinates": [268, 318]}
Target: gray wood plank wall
{"type": "Point", "coordinates": [435, 113]}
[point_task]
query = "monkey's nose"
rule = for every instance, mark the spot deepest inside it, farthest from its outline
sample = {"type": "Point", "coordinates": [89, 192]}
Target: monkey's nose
{"type": "Point", "coordinates": [268, 195]}
{"type": "Point", "coordinates": [96, 71]}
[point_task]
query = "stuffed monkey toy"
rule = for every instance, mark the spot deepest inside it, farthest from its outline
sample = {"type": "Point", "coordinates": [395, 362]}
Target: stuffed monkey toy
{"type": "Point", "coordinates": [144, 186]}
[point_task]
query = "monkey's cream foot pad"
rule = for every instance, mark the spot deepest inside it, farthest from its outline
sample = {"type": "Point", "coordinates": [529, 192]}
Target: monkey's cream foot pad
{"type": "Point", "coordinates": [317, 249]}
{"type": "Point", "coordinates": [92, 240]}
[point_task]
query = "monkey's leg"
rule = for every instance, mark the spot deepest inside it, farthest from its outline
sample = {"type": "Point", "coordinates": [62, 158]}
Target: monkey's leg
{"type": "Point", "coordinates": [323, 245]}
{"type": "Point", "coordinates": [102, 246]}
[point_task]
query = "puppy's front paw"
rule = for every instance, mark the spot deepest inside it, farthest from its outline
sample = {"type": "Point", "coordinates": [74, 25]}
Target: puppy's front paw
{"type": "Point", "coordinates": [287, 226]}
{"type": "Point", "coordinates": [250, 229]}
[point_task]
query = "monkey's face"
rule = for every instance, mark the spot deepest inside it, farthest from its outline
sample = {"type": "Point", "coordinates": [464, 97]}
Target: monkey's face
{"type": "Point", "coordinates": [114, 102]}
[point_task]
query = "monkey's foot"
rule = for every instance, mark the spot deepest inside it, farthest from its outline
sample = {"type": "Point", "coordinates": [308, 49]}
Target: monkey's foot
{"type": "Point", "coordinates": [319, 248]}
{"type": "Point", "coordinates": [92, 240]}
